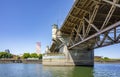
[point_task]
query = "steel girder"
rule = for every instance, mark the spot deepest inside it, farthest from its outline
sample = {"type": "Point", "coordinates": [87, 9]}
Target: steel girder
{"type": "Point", "coordinates": [87, 29]}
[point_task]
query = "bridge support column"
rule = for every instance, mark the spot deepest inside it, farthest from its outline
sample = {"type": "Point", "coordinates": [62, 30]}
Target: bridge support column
{"type": "Point", "coordinates": [79, 57]}
{"type": "Point", "coordinates": [73, 57]}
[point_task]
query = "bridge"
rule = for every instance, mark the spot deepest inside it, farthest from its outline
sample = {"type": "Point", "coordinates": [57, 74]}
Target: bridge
{"type": "Point", "coordinates": [90, 24]}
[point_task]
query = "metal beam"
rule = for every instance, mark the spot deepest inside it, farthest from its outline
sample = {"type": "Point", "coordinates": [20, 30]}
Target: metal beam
{"type": "Point", "coordinates": [75, 17]}
{"type": "Point", "coordinates": [110, 13]}
{"type": "Point", "coordinates": [96, 1]}
{"type": "Point", "coordinates": [96, 41]}
{"type": "Point", "coordinates": [72, 22]}
{"type": "Point", "coordinates": [98, 33]}
{"type": "Point", "coordinates": [71, 41]}
{"type": "Point", "coordinates": [79, 34]}
{"type": "Point", "coordinates": [104, 15]}
{"type": "Point", "coordinates": [71, 36]}
{"type": "Point", "coordinates": [83, 30]}
{"type": "Point", "coordinates": [92, 25]}
{"type": "Point", "coordinates": [110, 38]}
{"type": "Point", "coordinates": [118, 37]}
{"type": "Point", "coordinates": [78, 31]}
{"type": "Point", "coordinates": [105, 36]}
{"type": "Point", "coordinates": [88, 3]}
{"type": "Point", "coordinates": [112, 3]}
{"type": "Point", "coordinates": [80, 9]}
{"type": "Point", "coordinates": [91, 19]}
{"type": "Point", "coordinates": [107, 44]}
{"type": "Point", "coordinates": [115, 36]}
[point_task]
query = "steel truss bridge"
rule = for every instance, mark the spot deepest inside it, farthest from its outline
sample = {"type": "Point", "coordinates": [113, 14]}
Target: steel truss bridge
{"type": "Point", "coordinates": [90, 24]}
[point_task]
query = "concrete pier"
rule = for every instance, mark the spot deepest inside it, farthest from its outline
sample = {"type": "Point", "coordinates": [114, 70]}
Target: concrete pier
{"type": "Point", "coordinates": [74, 57]}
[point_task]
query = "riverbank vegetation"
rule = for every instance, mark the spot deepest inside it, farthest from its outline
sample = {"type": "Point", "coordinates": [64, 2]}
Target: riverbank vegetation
{"type": "Point", "coordinates": [32, 55]}
{"type": "Point", "coordinates": [5, 55]}
{"type": "Point", "coordinates": [105, 59]}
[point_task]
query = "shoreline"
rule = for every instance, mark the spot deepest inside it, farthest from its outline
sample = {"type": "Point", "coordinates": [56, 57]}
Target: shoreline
{"type": "Point", "coordinates": [6, 61]}
{"type": "Point", "coordinates": [107, 62]}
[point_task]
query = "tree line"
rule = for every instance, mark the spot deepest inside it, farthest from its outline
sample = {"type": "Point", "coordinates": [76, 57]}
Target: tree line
{"type": "Point", "coordinates": [5, 55]}
{"type": "Point", "coordinates": [102, 59]}
{"type": "Point", "coordinates": [32, 55]}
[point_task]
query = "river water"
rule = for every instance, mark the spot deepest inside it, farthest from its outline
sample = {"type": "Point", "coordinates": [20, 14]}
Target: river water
{"type": "Point", "coordinates": [38, 70]}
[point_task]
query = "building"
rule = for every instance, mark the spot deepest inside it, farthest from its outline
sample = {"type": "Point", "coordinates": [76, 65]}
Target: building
{"type": "Point", "coordinates": [38, 48]}
{"type": "Point", "coordinates": [7, 50]}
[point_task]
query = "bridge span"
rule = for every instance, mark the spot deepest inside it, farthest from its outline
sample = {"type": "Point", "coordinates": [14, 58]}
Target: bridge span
{"type": "Point", "coordinates": [90, 24]}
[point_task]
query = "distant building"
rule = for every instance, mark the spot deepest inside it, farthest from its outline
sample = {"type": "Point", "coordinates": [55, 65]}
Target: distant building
{"type": "Point", "coordinates": [7, 50]}
{"type": "Point", "coordinates": [38, 48]}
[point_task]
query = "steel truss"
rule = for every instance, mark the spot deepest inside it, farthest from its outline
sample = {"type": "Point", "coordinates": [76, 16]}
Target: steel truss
{"type": "Point", "coordinates": [105, 35]}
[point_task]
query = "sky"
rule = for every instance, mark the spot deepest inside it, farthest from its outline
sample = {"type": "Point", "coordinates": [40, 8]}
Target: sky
{"type": "Point", "coordinates": [25, 22]}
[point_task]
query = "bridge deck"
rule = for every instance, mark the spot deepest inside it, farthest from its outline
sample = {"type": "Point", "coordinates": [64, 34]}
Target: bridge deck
{"type": "Point", "coordinates": [84, 8]}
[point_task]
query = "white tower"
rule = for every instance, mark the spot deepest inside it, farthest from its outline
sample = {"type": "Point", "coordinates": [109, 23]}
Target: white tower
{"type": "Point", "coordinates": [54, 31]}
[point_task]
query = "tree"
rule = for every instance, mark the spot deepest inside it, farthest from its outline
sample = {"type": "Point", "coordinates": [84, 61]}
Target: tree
{"type": "Point", "coordinates": [26, 55]}
{"type": "Point", "coordinates": [40, 56]}
{"type": "Point", "coordinates": [9, 55]}
{"type": "Point", "coordinates": [106, 59]}
{"type": "Point", "coordinates": [34, 55]}
{"type": "Point", "coordinates": [5, 55]}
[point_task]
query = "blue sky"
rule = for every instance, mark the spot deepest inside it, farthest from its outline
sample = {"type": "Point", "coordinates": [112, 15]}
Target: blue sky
{"type": "Point", "coordinates": [25, 22]}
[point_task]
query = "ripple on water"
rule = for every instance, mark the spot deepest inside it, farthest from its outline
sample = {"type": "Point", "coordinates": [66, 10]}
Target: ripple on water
{"type": "Point", "coordinates": [106, 70]}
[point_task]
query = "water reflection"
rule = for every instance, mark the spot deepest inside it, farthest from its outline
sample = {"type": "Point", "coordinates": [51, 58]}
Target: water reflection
{"type": "Point", "coordinates": [68, 71]}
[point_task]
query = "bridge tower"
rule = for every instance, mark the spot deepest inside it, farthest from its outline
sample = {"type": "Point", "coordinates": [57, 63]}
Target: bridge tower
{"type": "Point", "coordinates": [54, 31]}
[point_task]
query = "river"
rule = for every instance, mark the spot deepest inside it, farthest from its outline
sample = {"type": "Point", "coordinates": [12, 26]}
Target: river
{"type": "Point", "coordinates": [38, 70]}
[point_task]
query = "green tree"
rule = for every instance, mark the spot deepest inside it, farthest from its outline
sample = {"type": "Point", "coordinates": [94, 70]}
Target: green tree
{"type": "Point", "coordinates": [40, 56]}
{"type": "Point", "coordinates": [34, 55]}
{"type": "Point", "coordinates": [26, 55]}
{"type": "Point", "coordinates": [9, 55]}
{"type": "Point", "coordinates": [106, 59]}
{"type": "Point", "coordinates": [5, 55]}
